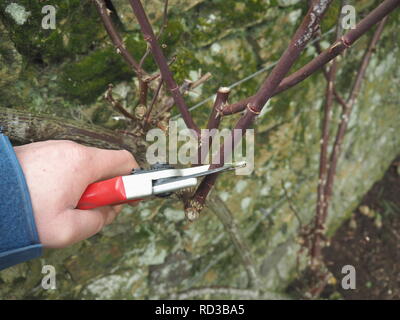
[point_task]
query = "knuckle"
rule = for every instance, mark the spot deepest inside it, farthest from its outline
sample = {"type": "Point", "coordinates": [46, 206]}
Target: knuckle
{"type": "Point", "coordinates": [65, 149]}
{"type": "Point", "coordinates": [125, 154]}
{"type": "Point", "coordinates": [78, 153]}
{"type": "Point", "coordinates": [68, 144]}
{"type": "Point", "coordinates": [102, 222]}
{"type": "Point", "coordinates": [111, 217]}
{"type": "Point", "coordinates": [130, 157]}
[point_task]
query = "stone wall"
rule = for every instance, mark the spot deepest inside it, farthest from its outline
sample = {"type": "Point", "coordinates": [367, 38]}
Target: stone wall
{"type": "Point", "coordinates": [151, 251]}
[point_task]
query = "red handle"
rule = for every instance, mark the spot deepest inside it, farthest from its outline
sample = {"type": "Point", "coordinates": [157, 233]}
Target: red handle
{"type": "Point", "coordinates": [103, 193]}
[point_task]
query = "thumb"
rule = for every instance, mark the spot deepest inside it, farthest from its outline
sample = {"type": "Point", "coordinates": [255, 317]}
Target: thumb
{"type": "Point", "coordinates": [106, 164]}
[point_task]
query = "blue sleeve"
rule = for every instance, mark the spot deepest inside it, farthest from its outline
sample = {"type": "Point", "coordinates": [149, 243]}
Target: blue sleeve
{"type": "Point", "coordinates": [19, 240]}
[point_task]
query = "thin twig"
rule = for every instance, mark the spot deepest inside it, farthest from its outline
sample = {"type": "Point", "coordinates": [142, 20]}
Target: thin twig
{"type": "Point", "coordinates": [163, 26]}
{"type": "Point", "coordinates": [200, 81]}
{"type": "Point", "coordinates": [291, 206]}
{"type": "Point", "coordinates": [347, 112]}
{"type": "Point", "coordinates": [162, 63]}
{"type": "Point", "coordinates": [336, 94]}
{"type": "Point", "coordinates": [116, 38]}
{"type": "Point", "coordinates": [323, 160]}
{"type": "Point", "coordinates": [116, 104]}
{"type": "Point", "coordinates": [325, 188]}
{"type": "Point", "coordinates": [155, 96]}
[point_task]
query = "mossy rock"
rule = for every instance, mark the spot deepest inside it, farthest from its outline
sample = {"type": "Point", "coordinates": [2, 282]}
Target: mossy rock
{"type": "Point", "coordinates": [152, 249]}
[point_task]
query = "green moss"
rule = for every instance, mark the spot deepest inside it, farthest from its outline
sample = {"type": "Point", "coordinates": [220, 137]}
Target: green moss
{"type": "Point", "coordinates": [172, 33]}
{"type": "Point", "coordinates": [83, 34]}
{"type": "Point", "coordinates": [86, 79]}
{"type": "Point", "coordinates": [72, 34]}
{"type": "Point", "coordinates": [185, 62]}
{"type": "Point", "coordinates": [331, 16]}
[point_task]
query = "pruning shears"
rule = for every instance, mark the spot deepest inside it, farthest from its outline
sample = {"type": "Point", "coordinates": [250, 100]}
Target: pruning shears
{"type": "Point", "coordinates": [160, 180]}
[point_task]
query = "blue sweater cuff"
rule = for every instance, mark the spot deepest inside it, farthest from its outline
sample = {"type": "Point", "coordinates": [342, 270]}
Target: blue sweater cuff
{"type": "Point", "coordinates": [19, 240]}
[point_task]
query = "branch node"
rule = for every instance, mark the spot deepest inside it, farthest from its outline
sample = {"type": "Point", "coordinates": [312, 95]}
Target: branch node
{"type": "Point", "coordinates": [147, 37]}
{"type": "Point", "coordinates": [345, 42]}
{"type": "Point", "coordinates": [218, 113]}
{"type": "Point", "coordinates": [252, 109]}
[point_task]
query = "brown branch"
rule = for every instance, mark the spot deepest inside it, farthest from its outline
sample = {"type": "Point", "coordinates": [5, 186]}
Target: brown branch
{"type": "Point", "coordinates": [164, 24]}
{"type": "Point", "coordinates": [200, 81]}
{"type": "Point", "coordinates": [347, 112]}
{"type": "Point", "coordinates": [237, 106]}
{"type": "Point", "coordinates": [291, 205]}
{"type": "Point", "coordinates": [336, 94]}
{"type": "Point", "coordinates": [186, 87]}
{"type": "Point", "coordinates": [143, 91]}
{"type": "Point", "coordinates": [326, 178]}
{"type": "Point", "coordinates": [116, 104]}
{"type": "Point", "coordinates": [323, 161]}
{"type": "Point", "coordinates": [303, 34]}
{"type": "Point", "coordinates": [155, 96]}
{"type": "Point", "coordinates": [338, 97]}
{"type": "Point", "coordinates": [337, 48]}
{"type": "Point", "coordinates": [215, 116]}
{"type": "Point", "coordinates": [162, 63]}
{"type": "Point", "coordinates": [25, 127]}
{"type": "Point", "coordinates": [116, 38]}
{"type": "Point", "coordinates": [213, 122]}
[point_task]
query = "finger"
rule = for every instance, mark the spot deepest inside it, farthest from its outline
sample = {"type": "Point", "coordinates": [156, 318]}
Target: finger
{"type": "Point", "coordinates": [112, 212]}
{"type": "Point", "coordinates": [106, 164]}
{"type": "Point", "coordinates": [133, 204]}
{"type": "Point", "coordinates": [117, 210]}
{"type": "Point", "coordinates": [82, 224]}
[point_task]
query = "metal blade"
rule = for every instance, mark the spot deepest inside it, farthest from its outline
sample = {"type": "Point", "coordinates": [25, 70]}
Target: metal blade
{"type": "Point", "coordinates": [166, 183]}
{"type": "Point", "coordinates": [226, 167]}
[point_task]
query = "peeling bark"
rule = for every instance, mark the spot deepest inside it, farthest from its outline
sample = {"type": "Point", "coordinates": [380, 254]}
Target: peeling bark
{"type": "Point", "coordinates": [25, 127]}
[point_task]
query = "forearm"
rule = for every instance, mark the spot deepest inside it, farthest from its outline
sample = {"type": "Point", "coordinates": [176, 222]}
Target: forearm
{"type": "Point", "coordinates": [19, 240]}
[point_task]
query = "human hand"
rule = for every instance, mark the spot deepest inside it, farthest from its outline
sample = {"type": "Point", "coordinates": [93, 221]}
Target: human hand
{"type": "Point", "coordinates": [57, 173]}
